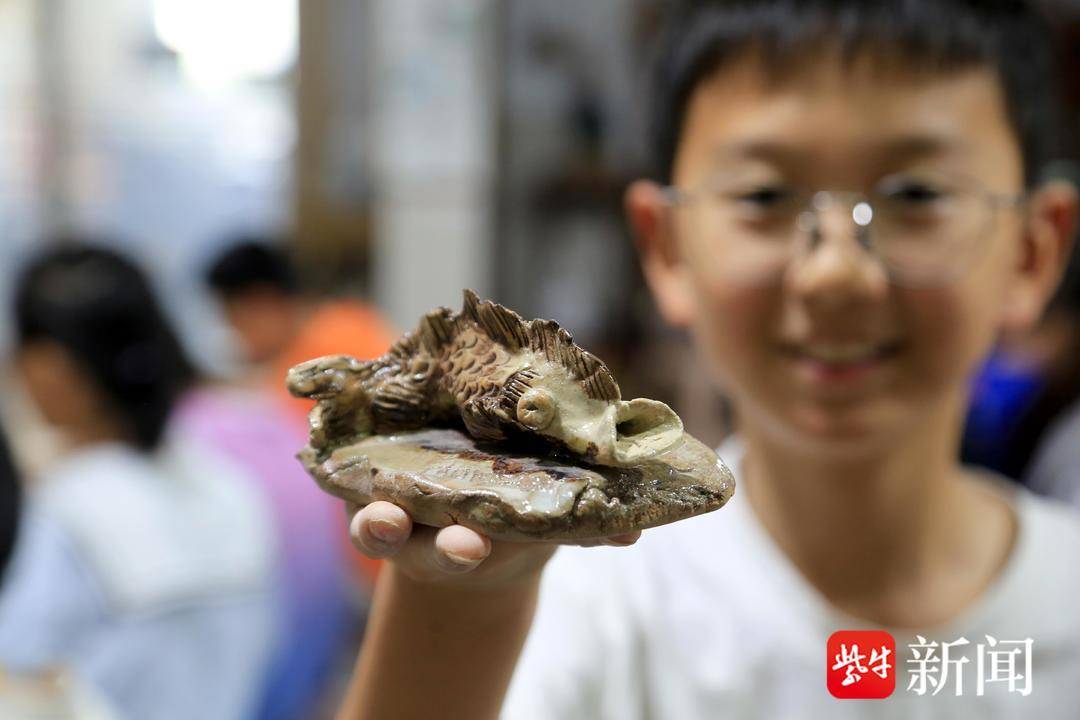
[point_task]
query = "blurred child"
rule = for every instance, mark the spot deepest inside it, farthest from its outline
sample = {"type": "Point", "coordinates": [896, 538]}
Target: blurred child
{"type": "Point", "coordinates": [1053, 425]}
{"type": "Point", "coordinates": [49, 695]}
{"type": "Point", "coordinates": [10, 501]}
{"type": "Point", "coordinates": [848, 217]}
{"type": "Point", "coordinates": [144, 561]}
{"type": "Point", "coordinates": [1017, 424]}
{"type": "Point", "coordinates": [255, 283]}
{"type": "Point", "coordinates": [255, 427]}
{"type": "Point", "coordinates": [278, 326]}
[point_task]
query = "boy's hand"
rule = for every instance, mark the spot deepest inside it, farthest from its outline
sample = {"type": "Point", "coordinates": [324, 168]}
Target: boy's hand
{"type": "Point", "coordinates": [454, 554]}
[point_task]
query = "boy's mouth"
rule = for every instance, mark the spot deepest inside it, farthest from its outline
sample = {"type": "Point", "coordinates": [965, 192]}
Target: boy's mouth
{"type": "Point", "coordinates": [832, 362]}
{"type": "Point", "coordinates": [844, 353]}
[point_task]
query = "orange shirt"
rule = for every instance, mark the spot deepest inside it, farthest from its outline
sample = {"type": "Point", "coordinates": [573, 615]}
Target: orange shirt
{"type": "Point", "coordinates": [348, 327]}
{"type": "Point", "coordinates": [338, 327]}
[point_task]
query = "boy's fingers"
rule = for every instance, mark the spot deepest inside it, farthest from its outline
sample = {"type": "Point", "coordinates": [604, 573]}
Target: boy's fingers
{"type": "Point", "coordinates": [459, 549]}
{"type": "Point", "coordinates": [383, 530]}
{"type": "Point", "coordinates": [623, 540]}
{"type": "Point", "coordinates": [380, 529]}
{"type": "Point", "coordinates": [432, 553]}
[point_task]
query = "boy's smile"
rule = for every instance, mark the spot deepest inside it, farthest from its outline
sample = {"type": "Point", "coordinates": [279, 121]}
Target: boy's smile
{"type": "Point", "coordinates": [830, 347]}
{"type": "Point", "coordinates": [836, 367]}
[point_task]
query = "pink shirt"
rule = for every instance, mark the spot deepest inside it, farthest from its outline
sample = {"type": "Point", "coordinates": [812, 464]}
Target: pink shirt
{"type": "Point", "coordinates": [260, 433]}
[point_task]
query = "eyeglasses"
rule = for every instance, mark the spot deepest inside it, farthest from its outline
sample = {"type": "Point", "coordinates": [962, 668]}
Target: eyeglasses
{"type": "Point", "coordinates": [924, 231]}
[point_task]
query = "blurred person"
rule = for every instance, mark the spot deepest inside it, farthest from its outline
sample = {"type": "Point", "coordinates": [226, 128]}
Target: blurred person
{"type": "Point", "coordinates": [1053, 430]}
{"type": "Point", "coordinates": [847, 213]}
{"type": "Point", "coordinates": [32, 442]}
{"type": "Point", "coordinates": [258, 291]}
{"type": "Point", "coordinates": [1023, 418]}
{"type": "Point", "coordinates": [52, 696]}
{"type": "Point", "coordinates": [250, 422]}
{"type": "Point", "coordinates": [144, 561]}
{"type": "Point", "coordinates": [278, 326]}
{"type": "Point", "coordinates": [1030, 379]}
{"type": "Point", "coordinates": [10, 500]}
{"type": "Point", "coordinates": [1005, 392]}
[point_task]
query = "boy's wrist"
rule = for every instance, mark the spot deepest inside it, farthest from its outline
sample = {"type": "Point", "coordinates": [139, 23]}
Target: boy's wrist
{"type": "Point", "coordinates": [422, 628]}
{"type": "Point", "coordinates": [465, 587]}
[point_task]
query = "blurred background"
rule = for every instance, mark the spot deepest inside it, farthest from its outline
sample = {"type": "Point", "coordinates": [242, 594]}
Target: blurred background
{"type": "Point", "coordinates": [388, 153]}
{"type": "Point", "coordinates": [405, 150]}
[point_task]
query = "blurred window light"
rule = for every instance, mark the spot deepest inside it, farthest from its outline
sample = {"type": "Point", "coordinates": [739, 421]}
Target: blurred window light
{"type": "Point", "coordinates": [220, 42]}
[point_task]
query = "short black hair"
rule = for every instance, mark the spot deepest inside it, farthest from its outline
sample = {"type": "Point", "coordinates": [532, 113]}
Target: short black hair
{"type": "Point", "coordinates": [10, 503]}
{"type": "Point", "coordinates": [251, 262]}
{"type": "Point", "coordinates": [1008, 36]}
{"type": "Point", "coordinates": [100, 307]}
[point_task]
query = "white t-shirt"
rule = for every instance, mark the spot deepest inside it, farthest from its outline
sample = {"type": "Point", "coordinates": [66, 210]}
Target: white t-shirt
{"type": "Point", "coordinates": [707, 618]}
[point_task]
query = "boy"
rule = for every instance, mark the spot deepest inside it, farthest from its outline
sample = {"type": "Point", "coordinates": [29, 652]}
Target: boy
{"type": "Point", "coordinates": [846, 230]}
{"type": "Point", "coordinates": [277, 325]}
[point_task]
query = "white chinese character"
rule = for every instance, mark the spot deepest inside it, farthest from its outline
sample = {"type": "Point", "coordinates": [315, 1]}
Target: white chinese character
{"type": "Point", "coordinates": [1002, 664]}
{"type": "Point", "coordinates": [879, 661]}
{"type": "Point", "coordinates": [932, 670]}
{"type": "Point", "coordinates": [852, 660]}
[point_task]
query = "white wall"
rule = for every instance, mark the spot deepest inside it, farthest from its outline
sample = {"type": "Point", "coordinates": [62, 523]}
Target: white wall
{"type": "Point", "coordinates": [127, 148]}
{"type": "Point", "coordinates": [433, 144]}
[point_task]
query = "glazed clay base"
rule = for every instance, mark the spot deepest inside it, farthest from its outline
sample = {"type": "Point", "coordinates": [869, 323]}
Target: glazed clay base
{"type": "Point", "coordinates": [443, 477]}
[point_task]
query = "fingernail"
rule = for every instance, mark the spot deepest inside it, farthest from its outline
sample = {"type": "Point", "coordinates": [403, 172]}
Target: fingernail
{"type": "Point", "coordinates": [461, 560]}
{"type": "Point", "coordinates": [384, 531]}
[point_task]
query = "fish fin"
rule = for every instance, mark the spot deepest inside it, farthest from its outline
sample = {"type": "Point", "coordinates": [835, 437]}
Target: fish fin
{"type": "Point", "coordinates": [503, 326]}
{"type": "Point", "coordinates": [557, 345]}
{"type": "Point", "coordinates": [405, 347]}
{"type": "Point", "coordinates": [601, 384]}
{"type": "Point", "coordinates": [399, 405]}
{"type": "Point", "coordinates": [469, 305]}
{"type": "Point", "coordinates": [515, 386]}
{"type": "Point", "coordinates": [481, 418]}
{"type": "Point", "coordinates": [544, 338]}
{"type": "Point", "coordinates": [436, 329]}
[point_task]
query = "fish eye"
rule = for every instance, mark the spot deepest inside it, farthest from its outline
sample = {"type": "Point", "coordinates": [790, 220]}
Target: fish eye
{"type": "Point", "coordinates": [536, 409]}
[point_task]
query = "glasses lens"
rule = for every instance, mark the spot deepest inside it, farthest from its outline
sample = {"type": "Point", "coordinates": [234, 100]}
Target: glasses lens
{"type": "Point", "coordinates": [925, 232]}
{"type": "Point", "coordinates": [751, 230]}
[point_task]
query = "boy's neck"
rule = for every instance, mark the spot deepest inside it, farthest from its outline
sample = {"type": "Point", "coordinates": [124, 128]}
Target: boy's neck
{"type": "Point", "coordinates": [901, 538]}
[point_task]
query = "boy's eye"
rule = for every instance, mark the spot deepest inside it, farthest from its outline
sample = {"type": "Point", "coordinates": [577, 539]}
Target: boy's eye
{"type": "Point", "coordinates": [764, 198]}
{"type": "Point", "coordinates": [911, 192]}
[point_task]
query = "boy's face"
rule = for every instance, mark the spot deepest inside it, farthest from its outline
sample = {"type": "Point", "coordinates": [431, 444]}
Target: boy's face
{"type": "Point", "coordinates": [265, 320]}
{"type": "Point", "coordinates": [830, 350]}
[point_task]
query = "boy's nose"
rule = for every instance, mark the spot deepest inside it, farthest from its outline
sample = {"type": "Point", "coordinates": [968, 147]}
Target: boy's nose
{"type": "Point", "coordinates": [834, 268]}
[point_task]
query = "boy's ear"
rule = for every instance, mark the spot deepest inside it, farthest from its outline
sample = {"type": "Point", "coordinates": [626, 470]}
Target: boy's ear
{"type": "Point", "coordinates": [1047, 244]}
{"type": "Point", "coordinates": [650, 216]}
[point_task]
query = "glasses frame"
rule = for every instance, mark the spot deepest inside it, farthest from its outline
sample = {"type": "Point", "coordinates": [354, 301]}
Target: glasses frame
{"type": "Point", "coordinates": [808, 223]}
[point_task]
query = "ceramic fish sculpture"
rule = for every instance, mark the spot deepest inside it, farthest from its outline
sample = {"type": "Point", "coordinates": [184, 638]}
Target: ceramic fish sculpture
{"type": "Point", "coordinates": [497, 374]}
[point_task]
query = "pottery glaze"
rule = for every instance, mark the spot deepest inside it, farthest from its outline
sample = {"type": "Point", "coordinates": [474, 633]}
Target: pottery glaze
{"type": "Point", "coordinates": [504, 425]}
